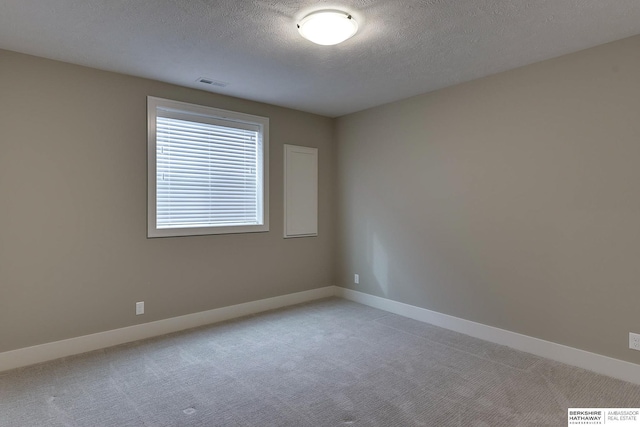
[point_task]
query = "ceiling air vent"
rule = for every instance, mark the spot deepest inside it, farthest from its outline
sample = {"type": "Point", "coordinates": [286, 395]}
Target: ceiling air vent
{"type": "Point", "coordinates": [211, 82]}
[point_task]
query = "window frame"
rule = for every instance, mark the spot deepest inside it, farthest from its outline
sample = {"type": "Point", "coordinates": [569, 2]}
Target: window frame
{"type": "Point", "coordinates": [207, 114]}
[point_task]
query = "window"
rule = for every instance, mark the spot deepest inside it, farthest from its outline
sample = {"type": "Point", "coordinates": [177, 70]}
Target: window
{"type": "Point", "coordinates": [207, 170]}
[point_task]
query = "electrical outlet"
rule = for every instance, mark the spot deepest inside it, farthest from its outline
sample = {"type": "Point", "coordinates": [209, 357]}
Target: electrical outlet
{"type": "Point", "coordinates": [634, 341]}
{"type": "Point", "coordinates": [356, 278]}
{"type": "Point", "coordinates": [139, 308]}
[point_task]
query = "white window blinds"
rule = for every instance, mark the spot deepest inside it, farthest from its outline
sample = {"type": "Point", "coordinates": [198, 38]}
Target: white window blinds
{"type": "Point", "coordinates": [208, 173]}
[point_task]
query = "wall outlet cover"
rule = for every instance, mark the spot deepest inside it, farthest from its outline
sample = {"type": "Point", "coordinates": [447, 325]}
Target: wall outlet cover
{"type": "Point", "coordinates": [634, 341]}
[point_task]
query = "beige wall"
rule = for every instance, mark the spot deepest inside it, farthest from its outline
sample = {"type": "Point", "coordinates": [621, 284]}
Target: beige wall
{"type": "Point", "coordinates": [74, 257]}
{"type": "Point", "coordinates": [512, 201]}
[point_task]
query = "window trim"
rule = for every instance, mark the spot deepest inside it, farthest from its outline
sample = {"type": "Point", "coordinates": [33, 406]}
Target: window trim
{"type": "Point", "coordinates": [153, 103]}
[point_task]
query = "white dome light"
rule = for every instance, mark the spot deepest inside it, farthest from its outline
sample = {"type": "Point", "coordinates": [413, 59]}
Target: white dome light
{"type": "Point", "coordinates": [328, 27]}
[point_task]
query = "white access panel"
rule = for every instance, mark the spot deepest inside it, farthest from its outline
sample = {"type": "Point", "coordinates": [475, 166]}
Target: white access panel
{"type": "Point", "coordinates": [300, 191]}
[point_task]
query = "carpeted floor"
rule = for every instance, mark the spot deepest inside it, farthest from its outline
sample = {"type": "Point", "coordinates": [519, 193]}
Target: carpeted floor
{"type": "Point", "coordinates": [326, 363]}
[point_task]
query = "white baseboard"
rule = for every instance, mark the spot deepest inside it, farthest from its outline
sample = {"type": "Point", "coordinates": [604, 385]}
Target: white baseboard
{"type": "Point", "coordinates": [54, 350]}
{"type": "Point", "coordinates": [572, 356]}
{"type": "Point", "coordinates": [605, 365]}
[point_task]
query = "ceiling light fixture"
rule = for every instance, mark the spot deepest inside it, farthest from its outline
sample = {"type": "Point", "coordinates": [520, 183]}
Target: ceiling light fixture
{"type": "Point", "coordinates": [327, 27]}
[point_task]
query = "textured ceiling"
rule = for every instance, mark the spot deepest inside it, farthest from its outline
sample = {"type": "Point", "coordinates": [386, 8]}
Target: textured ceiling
{"type": "Point", "coordinates": [403, 47]}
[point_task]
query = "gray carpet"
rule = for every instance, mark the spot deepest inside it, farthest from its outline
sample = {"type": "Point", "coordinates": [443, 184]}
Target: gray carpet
{"type": "Point", "coordinates": [326, 363]}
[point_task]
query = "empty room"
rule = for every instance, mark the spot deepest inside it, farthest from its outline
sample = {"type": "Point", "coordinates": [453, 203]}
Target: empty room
{"type": "Point", "coordinates": [280, 213]}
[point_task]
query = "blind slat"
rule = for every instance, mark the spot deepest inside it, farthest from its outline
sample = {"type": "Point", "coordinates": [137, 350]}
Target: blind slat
{"type": "Point", "coordinates": [206, 175]}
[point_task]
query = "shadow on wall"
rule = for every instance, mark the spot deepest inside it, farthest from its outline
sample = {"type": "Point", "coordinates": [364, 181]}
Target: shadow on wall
{"type": "Point", "coordinates": [427, 267]}
{"type": "Point", "coordinates": [378, 259]}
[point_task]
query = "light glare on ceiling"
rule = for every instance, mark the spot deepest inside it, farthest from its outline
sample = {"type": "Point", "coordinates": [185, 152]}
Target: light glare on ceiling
{"type": "Point", "coordinates": [328, 27]}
